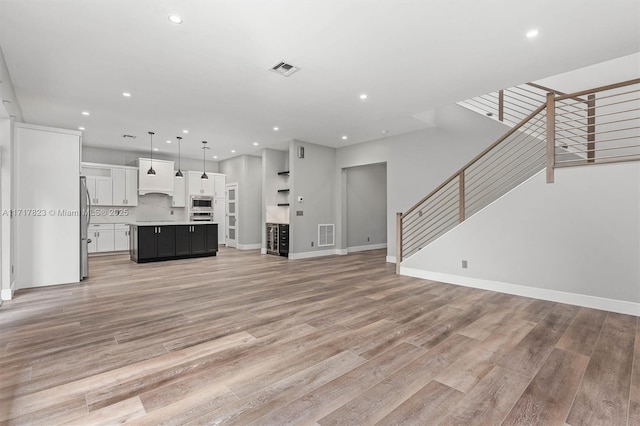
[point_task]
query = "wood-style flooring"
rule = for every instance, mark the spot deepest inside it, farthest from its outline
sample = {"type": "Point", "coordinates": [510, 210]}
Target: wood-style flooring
{"type": "Point", "coordinates": [244, 338]}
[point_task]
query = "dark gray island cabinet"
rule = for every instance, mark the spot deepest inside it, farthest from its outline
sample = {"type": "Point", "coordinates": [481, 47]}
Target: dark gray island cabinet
{"type": "Point", "coordinates": [150, 242]}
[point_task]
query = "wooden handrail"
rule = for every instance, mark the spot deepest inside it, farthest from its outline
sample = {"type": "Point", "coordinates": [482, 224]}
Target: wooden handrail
{"type": "Point", "coordinates": [550, 105]}
{"type": "Point", "coordinates": [599, 89]}
{"type": "Point", "coordinates": [477, 157]}
{"type": "Point", "coordinates": [557, 92]}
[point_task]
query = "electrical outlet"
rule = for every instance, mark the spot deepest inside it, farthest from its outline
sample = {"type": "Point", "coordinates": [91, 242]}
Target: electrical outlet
{"type": "Point", "coordinates": [465, 264]}
{"type": "Point", "coordinates": [368, 239]}
{"type": "Point", "coordinates": [171, 212]}
{"type": "Point", "coordinates": [311, 243]}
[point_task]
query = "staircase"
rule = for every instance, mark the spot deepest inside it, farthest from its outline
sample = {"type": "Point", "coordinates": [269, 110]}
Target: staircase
{"type": "Point", "coordinates": [549, 129]}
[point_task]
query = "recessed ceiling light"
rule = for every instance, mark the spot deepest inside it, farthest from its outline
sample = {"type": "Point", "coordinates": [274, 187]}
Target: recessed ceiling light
{"type": "Point", "coordinates": [255, 144]}
{"type": "Point", "coordinates": [185, 131]}
{"type": "Point", "coordinates": [532, 33]}
{"type": "Point", "coordinates": [85, 112]}
{"type": "Point", "coordinates": [168, 141]}
{"type": "Point", "coordinates": [276, 128]}
{"type": "Point", "coordinates": [215, 156]}
{"type": "Point", "coordinates": [80, 128]}
{"type": "Point", "coordinates": [155, 149]}
{"type": "Point", "coordinates": [363, 96]}
{"type": "Point", "coordinates": [344, 138]}
{"type": "Point", "coordinates": [175, 19]}
{"type": "Point", "coordinates": [233, 151]}
{"type": "Point", "coordinates": [126, 94]}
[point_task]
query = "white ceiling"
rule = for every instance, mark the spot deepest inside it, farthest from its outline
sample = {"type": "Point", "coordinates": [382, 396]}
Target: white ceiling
{"type": "Point", "coordinates": [210, 74]}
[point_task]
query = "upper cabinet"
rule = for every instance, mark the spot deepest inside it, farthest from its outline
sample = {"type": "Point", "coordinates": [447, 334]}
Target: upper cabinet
{"type": "Point", "coordinates": [99, 183]}
{"type": "Point", "coordinates": [220, 185]}
{"type": "Point", "coordinates": [161, 182]}
{"type": "Point", "coordinates": [199, 186]}
{"type": "Point", "coordinates": [111, 185]}
{"type": "Point", "coordinates": [125, 186]}
{"type": "Point", "coordinates": [179, 192]}
{"type": "Point", "coordinates": [100, 190]}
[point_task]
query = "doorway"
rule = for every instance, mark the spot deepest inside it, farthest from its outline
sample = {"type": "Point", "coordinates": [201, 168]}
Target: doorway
{"type": "Point", "coordinates": [232, 227]}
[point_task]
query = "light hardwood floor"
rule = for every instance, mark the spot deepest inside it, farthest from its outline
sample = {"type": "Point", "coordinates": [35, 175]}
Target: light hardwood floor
{"type": "Point", "coordinates": [244, 338]}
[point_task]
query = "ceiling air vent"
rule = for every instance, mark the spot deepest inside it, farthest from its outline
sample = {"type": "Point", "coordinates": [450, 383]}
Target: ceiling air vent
{"type": "Point", "coordinates": [284, 69]}
{"type": "Point", "coordinates": [128, 136]}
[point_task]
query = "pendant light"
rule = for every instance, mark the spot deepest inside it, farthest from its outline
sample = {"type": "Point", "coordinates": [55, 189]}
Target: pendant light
{"type": "Point", "coordinates": [151, 171]}
{"type": "Point", "coordinates": [204, 167]}
{"type": "Point", "coordinates": [179, 172]}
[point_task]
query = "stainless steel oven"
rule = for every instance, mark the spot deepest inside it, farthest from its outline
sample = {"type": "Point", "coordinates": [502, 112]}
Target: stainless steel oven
{"type": "Point", "coordinates": [201, 208]}
{"type": "Point", "coordinates": [201, 217]}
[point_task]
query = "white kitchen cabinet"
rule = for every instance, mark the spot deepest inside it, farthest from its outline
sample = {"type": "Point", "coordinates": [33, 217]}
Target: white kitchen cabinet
{"type": "Point", "coordinates": [179, 192]}
{"type": "Point", "coordinates": [102, 238]}
{"type": "Point", "coordinates": [121, 237]}
{"type": "Point", "coordinates": [161, 182]}
{"type": "Point", "coordinates": [220, 185]}
{"type": "Point", "coordinates": [125, 186]}
{"type": "Point", "coordinates": [220, 217]}
{"type": "Point", "coordinates": [100, 190]}
{"type": "Point", "coordinates": [199, 186]}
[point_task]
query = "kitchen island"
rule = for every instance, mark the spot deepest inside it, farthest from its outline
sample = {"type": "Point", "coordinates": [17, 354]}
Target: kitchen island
{"type": "Point", "coordinates": [155, 241]}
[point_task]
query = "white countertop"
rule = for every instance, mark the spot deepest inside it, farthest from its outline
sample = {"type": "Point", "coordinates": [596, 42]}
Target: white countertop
{"type": "Point", "coordinates": [166, 222]}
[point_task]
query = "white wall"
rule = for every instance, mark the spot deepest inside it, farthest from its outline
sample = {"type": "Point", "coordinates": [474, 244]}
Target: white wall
{"type": "Point", "coordinates": [609, 72]}
{"type": "Point", "coordinates": [417, 162]}
{"type": "Point", "coordinates": [575, 241]}
{"type": "Point", "coordinates": [246, 171]}
{"type": "Point", "coordinates": [366, 199]}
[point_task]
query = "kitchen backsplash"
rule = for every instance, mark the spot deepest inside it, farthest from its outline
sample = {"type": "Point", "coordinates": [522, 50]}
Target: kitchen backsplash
{"type": "Point", "coordinates": [151, 207]}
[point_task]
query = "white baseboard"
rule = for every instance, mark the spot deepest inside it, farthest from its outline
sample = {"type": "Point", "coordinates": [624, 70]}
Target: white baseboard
{"type": "Point", "coordinates": [391, 259]}
{"type": "Point", "coordinates": [367, 247]}
{"type": "Point", "coordinates": [249, 246]}
{"type": "Point", "coordinates": [341, 252]}
{"type": "Point", "coordinates": [612, 305]}
{"type": "Point", "coordinates": [263, 250]}
{"type": "Point", "coordinates": [310, 254]}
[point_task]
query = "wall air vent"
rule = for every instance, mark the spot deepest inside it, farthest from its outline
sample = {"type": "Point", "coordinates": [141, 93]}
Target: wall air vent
{"type": "Point", "coordinates": [128, 136]}
{"type": "Point", "coordinates": [326, 234]}
{"type": "Point", "coordinates": [284, 69]}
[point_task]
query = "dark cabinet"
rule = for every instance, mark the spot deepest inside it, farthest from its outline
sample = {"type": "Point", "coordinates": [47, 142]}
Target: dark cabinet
{"type": "Point", "coordinates": [155, 241]}
{"type": "Point", "coordinates": [190, 239]}
{"type": "Point", "coordinates": [283, 237]}
{"type": "Point", "coordinates": [149, 243]}
{"type": "Point", "coordinates": [212, 238]}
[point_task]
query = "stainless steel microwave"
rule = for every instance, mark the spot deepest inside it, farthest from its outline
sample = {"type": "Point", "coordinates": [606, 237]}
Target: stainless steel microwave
{"type": "Point", "coordinates": [201, 202]}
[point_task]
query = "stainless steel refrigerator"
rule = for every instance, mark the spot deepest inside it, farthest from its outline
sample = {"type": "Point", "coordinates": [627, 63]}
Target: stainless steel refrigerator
{"type": "Point", "coordinates": [85, 218]}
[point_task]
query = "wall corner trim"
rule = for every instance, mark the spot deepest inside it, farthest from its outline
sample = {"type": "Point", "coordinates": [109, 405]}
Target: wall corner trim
{"type": "Point", "coordinates": [6, 294]}
{"type": "Point", "coordinates": [612, 305]}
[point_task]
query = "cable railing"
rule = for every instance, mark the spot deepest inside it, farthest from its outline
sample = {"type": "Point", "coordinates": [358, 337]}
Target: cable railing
{"type": "Point", "coordinates": [608, 129]}
{"type": "Point", "coordinates": [600, 125]}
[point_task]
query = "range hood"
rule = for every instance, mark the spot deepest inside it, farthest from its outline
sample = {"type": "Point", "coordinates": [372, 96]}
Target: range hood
{"type": "Point", "coordinates": [159, 183]}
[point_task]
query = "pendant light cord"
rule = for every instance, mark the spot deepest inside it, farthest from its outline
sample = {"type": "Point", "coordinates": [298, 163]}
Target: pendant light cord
{"type": "Point", "coordinates": [151, 171]}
